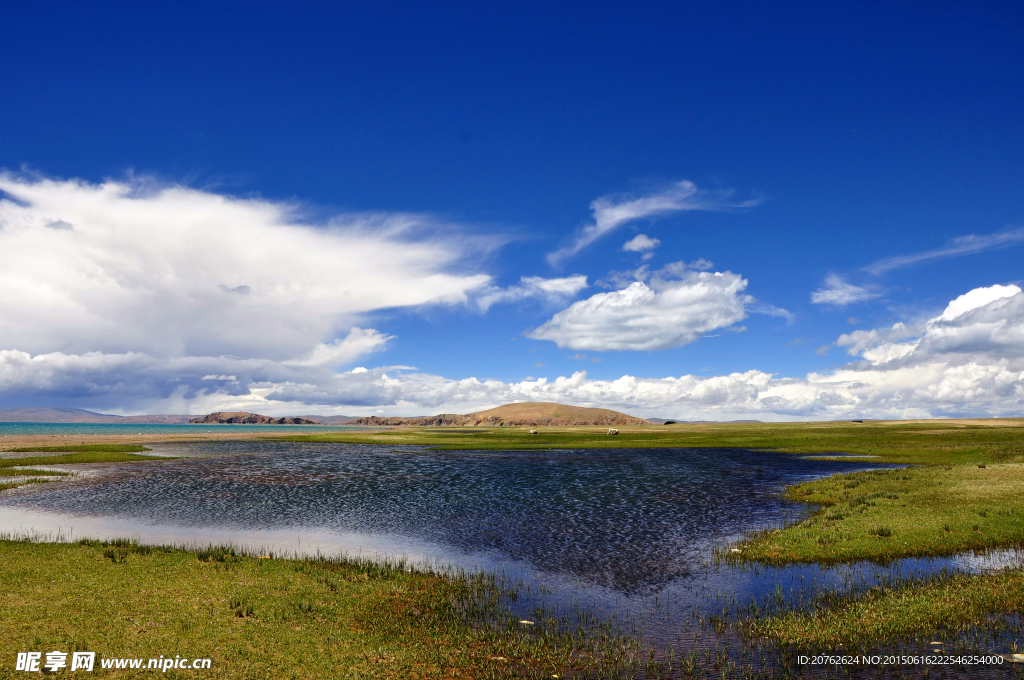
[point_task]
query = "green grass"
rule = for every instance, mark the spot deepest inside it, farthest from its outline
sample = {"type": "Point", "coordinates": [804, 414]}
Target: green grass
{"type": "Point", "coordinates": [15, 485]}
{"type": "Point", "coordinates": [99, 453]}
{"type": "Point", "coordinates": [18, 472]}
{"type": "Point", "coordinates": [948, 604]}
{"type": "Point", "coordinates": [884, 515]}
{"type": "Point", "coordinates": [73, 458]}
{"type": "Point", "coordinates": [271, 618]}
{"type": "Point", "coordinates": [915, 443]}
{"type": "Point", "coordinates": [85, 448]}
{"type": "Point", "coordinates": [963, 493]}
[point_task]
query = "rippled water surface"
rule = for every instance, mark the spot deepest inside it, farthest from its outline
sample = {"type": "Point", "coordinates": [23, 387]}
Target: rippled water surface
{"type": "Point", "coordinates": [629, 520]}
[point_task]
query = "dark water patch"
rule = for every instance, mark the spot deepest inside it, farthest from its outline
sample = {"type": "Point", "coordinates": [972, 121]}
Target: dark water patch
{"type": "Point", "coordinates": [628, 520]}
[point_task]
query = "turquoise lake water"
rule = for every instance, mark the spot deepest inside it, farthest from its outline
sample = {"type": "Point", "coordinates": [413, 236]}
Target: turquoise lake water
{"type": "Point", "coordinates": [22, 429]}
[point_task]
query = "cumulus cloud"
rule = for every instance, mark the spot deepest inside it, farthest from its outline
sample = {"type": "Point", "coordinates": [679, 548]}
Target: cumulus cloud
{"type": "Point", "coordinates": [967, 360]}
{"type": "Point", "coordinates": [839, 293]}
{"type": "Point", "coordinates": [532, 287]}
{"type": "Point", "coordinates": [642, 243]}
{"type": "Point", "coordinates": [963, 245]}
{"type": "Point", "coordinates": [667, 313]}
{"type": "Point", "coordinates": [612, 212]}
{"type": "Point", "coordinates": [132, 269]}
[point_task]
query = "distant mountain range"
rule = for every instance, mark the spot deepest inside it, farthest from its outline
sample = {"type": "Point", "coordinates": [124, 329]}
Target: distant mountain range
{"type": "Point", "coordinates": [526, 413]}
{"type": "Point", "coordinates": [77, 415]}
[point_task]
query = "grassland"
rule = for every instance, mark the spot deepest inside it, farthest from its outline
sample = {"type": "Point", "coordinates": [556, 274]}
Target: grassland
{"type": "Point", "coordinates": [883, 515]}
{"type": "Point", "coordinates": [274, 618]}
{"type": "Point", "coordinates": [926, 443]}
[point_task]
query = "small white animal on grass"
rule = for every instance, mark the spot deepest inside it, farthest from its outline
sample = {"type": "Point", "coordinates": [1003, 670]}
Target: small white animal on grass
{"type": "Point", "coordinates": [612, 430]}
{"type": "Point", "coordinates": [533, 431]}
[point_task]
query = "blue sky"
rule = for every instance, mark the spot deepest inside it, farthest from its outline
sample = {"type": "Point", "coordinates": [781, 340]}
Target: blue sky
{"type": "Point", "coordinates": [824, 172]}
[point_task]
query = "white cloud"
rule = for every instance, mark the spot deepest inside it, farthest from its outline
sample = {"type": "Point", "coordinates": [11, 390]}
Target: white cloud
{"type": "Point", "coordinates": [359, 342]}
{"type": "Point", "coordinates": [963, 245]}
{"type": "Point", "coordinates": [976, 299]}
{"type": "Point", "coordinates": [129, 269]}
{"type": "Point", "coordinates": [612, 212]}
{"type": "Point", "coordinates": [840, 293]}
{"type": "Point", "coordinates": [968, 360]}
{"type": "Point", "coordinates": [535, 287]}
{"type": "Point", "coordinates": [641, 243]}
{"type": "Point", "coordinates": [668, 313]}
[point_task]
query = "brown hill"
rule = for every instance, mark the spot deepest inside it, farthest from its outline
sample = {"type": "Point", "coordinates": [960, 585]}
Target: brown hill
{"type": "Point", "coordinates": [534, 413]}
{"type": "Point", "coordinates": [244, 418]}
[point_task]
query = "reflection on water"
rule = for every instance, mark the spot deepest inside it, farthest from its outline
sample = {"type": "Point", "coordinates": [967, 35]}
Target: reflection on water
{"type": "Point", "coordinates": [626, 532]}
{"type": "Point", "coordinates": [628, 520]}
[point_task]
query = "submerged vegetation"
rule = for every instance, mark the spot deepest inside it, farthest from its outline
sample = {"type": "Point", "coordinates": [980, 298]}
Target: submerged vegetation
{"type": "Point", "coordinates": [949, 603]}
{"type": "Point", "coordinates": [67, 455]}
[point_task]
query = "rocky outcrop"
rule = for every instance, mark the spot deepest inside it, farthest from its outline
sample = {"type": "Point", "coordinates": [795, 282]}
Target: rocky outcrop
{"type": "Point", "coordinates": [243, 418]}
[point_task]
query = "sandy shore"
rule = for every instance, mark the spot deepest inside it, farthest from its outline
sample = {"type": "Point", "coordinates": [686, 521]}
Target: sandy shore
{"type": "Point", "coordinates": [15, 441]}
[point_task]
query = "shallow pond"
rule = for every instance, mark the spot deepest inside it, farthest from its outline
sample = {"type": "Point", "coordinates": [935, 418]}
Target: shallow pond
{"type": "Point", "coordinates": [627, 533]}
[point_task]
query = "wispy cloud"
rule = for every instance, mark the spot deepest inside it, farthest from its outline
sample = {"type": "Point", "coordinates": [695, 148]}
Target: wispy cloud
{"type": "Point", "coordinates": [757, 307]}
{"type": "Point", "coordinates": [963, 245]}
{"type": "Point", "coordinates": [838, 292]}
{"type": "Point", "coordinates": [536, 287]}
{"type": "Point", "coordinates": [611, 212]}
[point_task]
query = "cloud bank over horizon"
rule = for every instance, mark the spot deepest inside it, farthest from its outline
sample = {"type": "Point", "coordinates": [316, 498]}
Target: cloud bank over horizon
{"type": "Point", "coordinates": [966, 361]}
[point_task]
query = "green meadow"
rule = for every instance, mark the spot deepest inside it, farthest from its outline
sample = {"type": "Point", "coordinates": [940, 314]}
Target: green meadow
{"type": "Point", "coordinates": [926, 443]}
{"type": "Point", "coordinates": [259, 617]}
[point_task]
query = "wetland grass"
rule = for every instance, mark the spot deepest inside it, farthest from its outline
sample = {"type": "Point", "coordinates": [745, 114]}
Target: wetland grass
{"type": "Point", "coordinates": [261, 617]}
{"type": "Point", "coordinates": [882, 515]}
{"type": "Point", "coordinates": [67, 455]}
{"type": "Point", "coordinates": [937, 608]}
{"type": "Point", "coordinates": [931, 443]}
{"type": "Point", "coordinates": [85, 448]}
